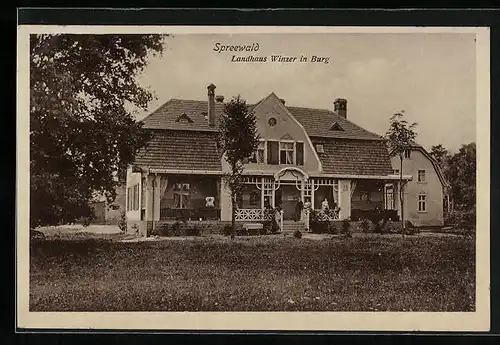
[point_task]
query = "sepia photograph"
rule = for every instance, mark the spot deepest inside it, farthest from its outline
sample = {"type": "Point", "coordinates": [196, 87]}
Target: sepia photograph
{"type": "Point", "coordinates": [237, 178]}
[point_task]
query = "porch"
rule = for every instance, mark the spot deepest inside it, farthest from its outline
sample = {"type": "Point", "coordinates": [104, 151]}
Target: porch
{"type": "Point", "coordinates": [331, 198]}
{"type": "Point", "coordinates": [190, 197]}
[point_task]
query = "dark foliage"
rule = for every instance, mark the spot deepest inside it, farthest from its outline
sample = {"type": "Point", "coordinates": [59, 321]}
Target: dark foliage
{"type": "Point", "coordinates": [82, 131]}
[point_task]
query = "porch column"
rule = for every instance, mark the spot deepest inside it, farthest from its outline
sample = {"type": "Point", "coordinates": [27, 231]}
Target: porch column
{"type": "Point", "coordinates": [218, 202]}
{"type": "Point", "coordinates": [312, 194]}
{"type": "Point", "coordinates": [273, 198]}
{"type": "Point", "coordinates": [157, 197]}
{"type": "Point", "coordinates": [149, 197]}
{"type": "Point", "coordinates": [262, 193]}
{"type": "Point", "coordinates": [344, 199]}
{"type": "Point", "coordinates": [302, 186]}
{"type": "Point", "coordinates": [225, 201]}
{"type": "Point", "coordinates": [397, 201]}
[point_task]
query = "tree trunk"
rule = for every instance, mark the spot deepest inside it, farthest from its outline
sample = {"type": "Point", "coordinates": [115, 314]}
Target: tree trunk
{"type": "Point", "coordinates": [401, 195]}
{"type": "Point", "coordinates": [233, 215]}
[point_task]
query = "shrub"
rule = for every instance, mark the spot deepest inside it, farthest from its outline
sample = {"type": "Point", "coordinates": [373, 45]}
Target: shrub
{"type": "Point", "coordinates": [318, 227]}
{"type": "Point", "coordinates": [228, 230]}
{"type": "Point", "coordinates": [333, 228]}
{"type": "Point", "coordinates": [297, 234]}
{"type": "Point", "coordinates": [366, 225]}
{"type": "Point", "coordinates": [462, 218]}
{"type": "Point", "coordinates": [86, 221]}
{"type": "Point", "coordinates": [345, 226]}
{"type": "Point", "coordinates": [122, 222]}
{"type": "Point", "coordinates": [275, 228]}
{"type": "Point", "coordinates": [176, 229]}
{"type": "Point", "coordinates": [193, 231]}
{"type": "Point", "coordinates": [36, 235]}
{"type": "Point", "coordinates": [163, 230]}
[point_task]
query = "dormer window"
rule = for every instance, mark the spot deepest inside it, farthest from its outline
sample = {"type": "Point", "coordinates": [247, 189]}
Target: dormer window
{"type": "Point", "coordinates": [320, 148]}
{"type": "Point", "coordinates": [336, 127]}
{"type": "Point", "coordinates": [184, 118]}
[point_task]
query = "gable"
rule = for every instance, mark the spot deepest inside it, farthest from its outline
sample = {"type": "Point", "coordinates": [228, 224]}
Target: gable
{"type": "Point", "coordinates": [420, 159]}
{"type": "Point", "coordinates": [274, 122]}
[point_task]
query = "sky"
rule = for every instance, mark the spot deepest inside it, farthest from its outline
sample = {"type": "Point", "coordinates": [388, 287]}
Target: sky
{"type": "Point", "coordinates": [431, 77]}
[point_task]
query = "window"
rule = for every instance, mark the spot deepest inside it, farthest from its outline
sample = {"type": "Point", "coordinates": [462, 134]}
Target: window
{"type": "Point", "coordinates": [272, 152]}
{"type": "Point", "coordinates": [407, 153]}
{"type": "Point", "coordinates": [272, 122]}
{"type": "Point", "coordinates": [389, 197]}
{"type": "Point", "coordinates": [128, 198]}
{"type": "Point", "coordinates": [133, 198]}
{"type": "Point", "coordinates": [421, 176]}
{"type": "Point", "coordinates": [286, 153]}
{"type": "Point", "coordinates": [307, 191]}
{"type": "Point", "coordinates": [336, 127]}
{"type": "Point", "coordinates": [320, 148]}
{"type": "Point", "coordinates": [115, 207]}
{"type": "Point", "coordinates": [181, 195]}
{"type": "Point", "coordinates": [268, 192]}
{"type": "Point", "coordinates": [136, 197]}
{"type": "Point", "coordinates": [396, 171]}
{"type": "Point", "coordinates": [422, 203]}
{"type": "Point", "coordinates": [299, 153]}
{"type": "Point", "coordinates": [143, 193]}
{"type": "Point", "coordinates": [259, 154]}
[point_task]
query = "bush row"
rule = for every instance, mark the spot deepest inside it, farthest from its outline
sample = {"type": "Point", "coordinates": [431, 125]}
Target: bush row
{"type": "Point", "coordinates": [462, 219]}
{"type": "Point", "coordinates": [195, 228]}
{"type": "Point", "coordinates": [365, 226]}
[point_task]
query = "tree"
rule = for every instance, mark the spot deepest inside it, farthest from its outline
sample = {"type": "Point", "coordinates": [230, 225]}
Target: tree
{"type": "Point", "coordinates": [238, 141]}
{"type": "Point", "coordinates": [461, 174]}
{"type": "Point", "coordinates": [83, 94]}
{"type": "Point", "coordinates": [400, 137]}
{"type": "Point", "coordinates": [442, 157]}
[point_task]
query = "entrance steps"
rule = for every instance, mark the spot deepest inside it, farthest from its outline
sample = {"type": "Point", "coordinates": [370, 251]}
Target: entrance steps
{"type": "Point", "coordinates": [292, 226]}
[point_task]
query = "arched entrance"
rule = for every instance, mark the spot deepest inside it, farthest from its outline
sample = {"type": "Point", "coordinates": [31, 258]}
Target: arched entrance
{"type": "Point", "coordinates": [290, 182]}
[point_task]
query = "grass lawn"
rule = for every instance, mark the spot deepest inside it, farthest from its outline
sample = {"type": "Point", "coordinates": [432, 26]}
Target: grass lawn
{"type": "Point", "coordinates": [367, 273]}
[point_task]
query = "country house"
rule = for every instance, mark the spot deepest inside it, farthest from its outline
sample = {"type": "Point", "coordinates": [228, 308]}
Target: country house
{"type": "Point", "coordinates": [317, 156]}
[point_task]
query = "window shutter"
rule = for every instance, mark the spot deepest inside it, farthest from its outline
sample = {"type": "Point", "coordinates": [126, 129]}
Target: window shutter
{"type": "Point", "coordinates": [299, 152]}
{"type": "Point", "coordinates": [272, 152]}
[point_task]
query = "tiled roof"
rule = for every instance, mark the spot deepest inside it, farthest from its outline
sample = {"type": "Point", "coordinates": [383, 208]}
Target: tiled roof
{"type": "Point", "coordinates": [316, 122]}
{"type": "Point", "coordinates": [354, 157]}
{"type": "Point", "coordinates": [192, 145]}
{"type": "Point", "coordinates": [165, 116]}
{"type": "Point", "coordinates": [182, 150]}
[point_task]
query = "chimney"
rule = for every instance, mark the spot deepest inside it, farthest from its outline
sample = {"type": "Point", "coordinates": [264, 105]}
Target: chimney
{"type": "Point", "coordinates": [282, 101]}
{"type": "Point", "coordinates": [211, 105]}
{"type": "Point", "coordinates": [219, 98]}
{"type": "Point", "coordinates": [340, 107]}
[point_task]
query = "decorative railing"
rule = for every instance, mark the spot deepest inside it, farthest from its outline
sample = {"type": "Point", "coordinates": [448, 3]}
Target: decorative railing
{"type": "Point", "coordinates": [254, 214]}
{"type": "Point", "coordinates": [203, 213]}
{"type": "Point", "coordinates": [249, 214]}
{"type": "Point", "coordinates": [326, 215]}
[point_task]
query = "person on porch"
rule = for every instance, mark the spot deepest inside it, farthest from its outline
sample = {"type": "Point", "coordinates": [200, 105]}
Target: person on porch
{"type": "Point", "coordinates": [324, 205]}
{"type": "Point", "coordinates": [298, 210]}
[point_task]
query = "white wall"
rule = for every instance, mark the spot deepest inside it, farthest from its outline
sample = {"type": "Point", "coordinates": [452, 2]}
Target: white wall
{"type": "Point", "coordinates": [132, 179]}
{"type": "Point", "coordinates": [432, 188]}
